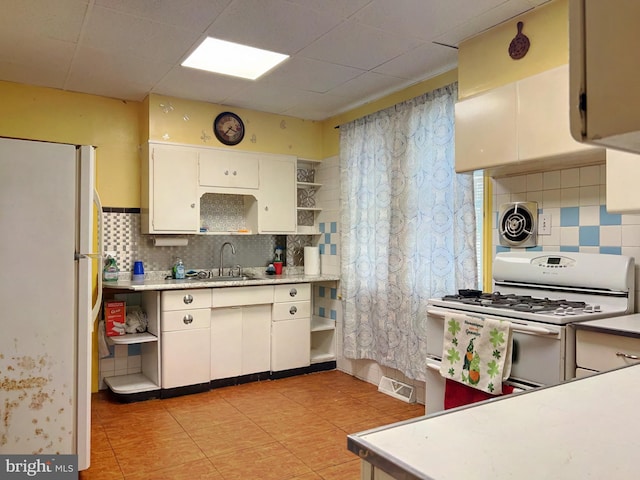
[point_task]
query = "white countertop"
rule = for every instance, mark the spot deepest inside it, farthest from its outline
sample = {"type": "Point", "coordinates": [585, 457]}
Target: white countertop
{"type": "Point", "coordinates": [624, 325]}
{"type": "Point", "coordinates": [156, 284]}
{"type": "Point", "coordinates": [583, 429]}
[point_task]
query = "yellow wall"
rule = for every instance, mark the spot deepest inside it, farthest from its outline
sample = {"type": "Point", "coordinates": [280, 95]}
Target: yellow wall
{"type": "Point", "coordinates": [186, 121]}
{"type": "Point", "coordinates": [53, 115]}
{"type": "Point", "coordinates": [484, 61]}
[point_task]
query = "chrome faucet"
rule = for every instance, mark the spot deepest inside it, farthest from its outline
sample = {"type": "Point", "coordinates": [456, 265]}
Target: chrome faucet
{"type": "Point", "coordinates": [233, 250]}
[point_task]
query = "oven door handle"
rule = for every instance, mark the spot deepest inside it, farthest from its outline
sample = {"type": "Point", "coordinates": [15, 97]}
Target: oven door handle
{"type": "Point", "coordinates": [516, 327]}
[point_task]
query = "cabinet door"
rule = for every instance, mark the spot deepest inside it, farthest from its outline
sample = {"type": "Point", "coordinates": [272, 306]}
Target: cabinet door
{"type": "Point", "coordinates": [174, 205]}
{"type": "Point", "coordinates": [185, 358]}
{"type": "Point", "coordinates": [290, 344]}
{"type": "Point", "coordinates": [485, 130]}
{"type": "Point", "coordinates": [277, 202]}
{"type": "Point", "coordinates": [543, 116]}
{"type": "Point", "coordinates": [610, 77]}
{"type": "Point", "coordinates": [256, 339]}
{"type": "Point", "coordinates": [623, 169]}
{"type": "Point", "coordinates": [228, 169]}
{"type": "Point", "coordinates": [226, 342]}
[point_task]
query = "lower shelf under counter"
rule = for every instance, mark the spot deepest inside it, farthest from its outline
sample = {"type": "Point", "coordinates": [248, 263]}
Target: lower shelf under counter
{"type": "Point", "coordinates": [132, 383]}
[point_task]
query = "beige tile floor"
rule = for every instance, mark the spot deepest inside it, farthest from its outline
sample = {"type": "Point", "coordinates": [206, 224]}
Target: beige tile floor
{"type": "Point", "coordinates": [293, 428]}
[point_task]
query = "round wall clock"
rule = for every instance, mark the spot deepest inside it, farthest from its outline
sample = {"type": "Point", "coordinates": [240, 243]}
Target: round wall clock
{"type": "Point", "coordinates": [228, 128]}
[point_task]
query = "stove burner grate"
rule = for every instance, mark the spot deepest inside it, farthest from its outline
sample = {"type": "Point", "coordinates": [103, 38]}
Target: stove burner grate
{"type": "Point", "coordinates": [520, 303]}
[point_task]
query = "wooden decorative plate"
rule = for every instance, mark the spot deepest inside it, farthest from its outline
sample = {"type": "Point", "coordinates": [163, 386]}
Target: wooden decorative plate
{"type": "Point", "coordinates": [519, 46]}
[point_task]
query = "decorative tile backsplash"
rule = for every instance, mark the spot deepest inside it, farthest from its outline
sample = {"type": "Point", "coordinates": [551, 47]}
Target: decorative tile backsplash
{"type": "Point", "coordinates": [122, 236]}
{"type": "Point", "coordinates": [575, 199]}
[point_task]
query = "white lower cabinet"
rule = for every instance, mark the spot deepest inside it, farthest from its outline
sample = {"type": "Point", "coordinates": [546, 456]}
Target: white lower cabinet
{"type": "Point", "coordinates": [226, 342]}
{"type": "Point", "coordinates": [240, 331]}
{"type": "Point", "coordinates": [291, 327]}
{"type": "Point", "coordinates": [239, 341]}
{"type": "Point", "coordinates": [185, 324]}
{"type": "Point", "coordinates": [600, 351]}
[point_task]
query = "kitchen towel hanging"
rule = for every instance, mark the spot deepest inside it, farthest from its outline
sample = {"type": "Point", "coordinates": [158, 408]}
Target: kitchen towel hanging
{"type": "Point", "coordinates": [311, 261]}
{"type": "Point", "coordinates": [477, 352]}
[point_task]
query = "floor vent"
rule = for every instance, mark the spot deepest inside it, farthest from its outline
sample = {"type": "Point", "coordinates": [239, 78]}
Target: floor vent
{"type": "Point", "coordinates": [397, 389]}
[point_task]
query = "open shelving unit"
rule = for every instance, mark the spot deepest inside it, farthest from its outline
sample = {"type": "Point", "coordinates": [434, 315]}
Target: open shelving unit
{"type": "Point", "coordinates": [323, 339]}
{"type": "Point", "coordinates": [143, 383]}
{"type": "Point", "coordinates": [306, 188]}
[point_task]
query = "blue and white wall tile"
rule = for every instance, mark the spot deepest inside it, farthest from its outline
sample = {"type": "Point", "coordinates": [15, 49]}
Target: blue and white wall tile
{"type": "Point", "coordinates": [575, 199]}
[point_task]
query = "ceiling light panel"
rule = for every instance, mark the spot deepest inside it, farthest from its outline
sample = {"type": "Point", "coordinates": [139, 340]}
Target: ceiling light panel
{"type": "Point", "coordinates": [228, 58]}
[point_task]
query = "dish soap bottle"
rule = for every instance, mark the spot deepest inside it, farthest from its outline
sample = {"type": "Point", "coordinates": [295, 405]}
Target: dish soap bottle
{"type": "Point", "coordinates": [110, 271]}
{"type": "Point", "coordinates": [178, 269]}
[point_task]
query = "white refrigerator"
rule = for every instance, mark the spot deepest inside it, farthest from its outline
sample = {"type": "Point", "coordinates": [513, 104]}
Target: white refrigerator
{"type": "Point", "coordinates": [46, 319]}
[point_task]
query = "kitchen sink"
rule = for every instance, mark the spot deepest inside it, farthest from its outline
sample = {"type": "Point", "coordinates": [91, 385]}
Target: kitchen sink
{"type": "Point", "coordinates": [226, 278]}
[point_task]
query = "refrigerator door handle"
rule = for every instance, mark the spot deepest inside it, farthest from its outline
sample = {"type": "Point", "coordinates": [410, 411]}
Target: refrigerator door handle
{"type": "Point", "coordinates": [96, 307]}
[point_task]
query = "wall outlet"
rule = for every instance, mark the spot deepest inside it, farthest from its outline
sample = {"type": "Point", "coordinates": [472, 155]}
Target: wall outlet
{"type": "Point", "coordinates": [544, 224]}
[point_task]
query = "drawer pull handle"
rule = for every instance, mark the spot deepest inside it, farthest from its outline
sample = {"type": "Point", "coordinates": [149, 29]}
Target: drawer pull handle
{"type": "Point", "coordinates": [293, 292]}
{"type": "Point", "coordinates": [293, 310]}
{"type": "Point", "coordinates": [627, 355]}
{"type": "Point", "coordinates": [187, 319]}
{"type": "Point", "coordinates": [187, 299]}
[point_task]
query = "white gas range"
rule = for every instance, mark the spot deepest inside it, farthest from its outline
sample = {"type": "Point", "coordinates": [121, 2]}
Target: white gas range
{"type": "Point", "coordinates": [541, 294]}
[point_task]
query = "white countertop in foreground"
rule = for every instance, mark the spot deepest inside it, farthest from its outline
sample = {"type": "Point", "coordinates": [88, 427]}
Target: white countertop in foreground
{"type": "Point", "coordinates": [195, 283]}
{"type": "Point", "coordinates": [583, 429]}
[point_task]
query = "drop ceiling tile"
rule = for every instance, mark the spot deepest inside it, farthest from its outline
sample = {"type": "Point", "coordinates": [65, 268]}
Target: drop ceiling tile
{"type": "Point", "coordinates": [315, 106]}
{"type": "Point", "coordinates": [367, 87]}
{"type": "Point", "coordinates": [359, 46]}
{"type": "Point", "coordinates": [122, 34]}
{"type": "Point", "coordinates": [193, 84]}
{"type": "Point", "coordinates": [30, 74]}
{"type": "Point", "coordinates": [267, 98]}
{"type": "Point", "coordinates": [310, 75]}
{"type": "Point", "coordinates": [423, 62]}
{"type": "Point", "coordinates": [93, 67]}
{"type": "Point", "coordinates": [339, 8]}
{"type": "Point", "coordinates": [275, 25]}
{"type": "Point", "coordinates": [424, 19]}
{"type": "Point", "coordinates": [484, 21]}
{"type": "Point", "coordinates": [37, 19]}
{"type": "Point", "coordinates": [195, 15]}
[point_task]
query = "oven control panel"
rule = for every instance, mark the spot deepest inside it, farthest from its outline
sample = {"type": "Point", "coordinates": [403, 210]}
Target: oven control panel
{"type": "Point", "coordinates": [553, 261]}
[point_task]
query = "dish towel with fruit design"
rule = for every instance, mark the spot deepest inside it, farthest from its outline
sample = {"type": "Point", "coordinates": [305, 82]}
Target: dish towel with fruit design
{"type": "Point", "coordinates": [477, 352]}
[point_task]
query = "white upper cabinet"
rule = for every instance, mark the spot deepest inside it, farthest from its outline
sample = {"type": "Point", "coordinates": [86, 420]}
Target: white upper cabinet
{"type": "Point", "coordinates": [277, 199]}
{"type": "Point", "coordinates": [485, 129]}
{"type": "Point", "coordinates": [623, 170]}
{"type": "Point", "coordinates": [174, 177]}
{"type": "Point", "coordinates": [509, 126]}
{"type": "Point", "coordinates": [170, 200]}
{"type": "Point", "coordinates": [603, 41]}
{"type": "Point", "coordinates": [543, 116]}
{"type": "Point", "coordinates": [228, 169]}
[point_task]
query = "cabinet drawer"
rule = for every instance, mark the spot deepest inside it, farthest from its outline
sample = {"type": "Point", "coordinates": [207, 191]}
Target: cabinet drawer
{"type": "Point", "coordinates": [228, 169]}
{"type": "Point", "coordinates": [291, 292]}
{"type": "Point", "coordinates": [186, 299]}
{"type": "Point", "coordinates": [237, 296]}
{"type": "Point", "coordinates": [603, 351]}
{"type": "Point", "coordinates": [185, 319]}
{"type": "Point", "coordinates": [291, 310]}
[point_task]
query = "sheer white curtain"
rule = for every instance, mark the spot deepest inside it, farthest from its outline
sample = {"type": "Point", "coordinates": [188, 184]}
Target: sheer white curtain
{"type": "Point", "coordinates": [408, 227]}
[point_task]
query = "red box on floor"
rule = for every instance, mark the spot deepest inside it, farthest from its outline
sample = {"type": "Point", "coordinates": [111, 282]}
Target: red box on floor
{"type": "Point", "coordinates": [115, 316]}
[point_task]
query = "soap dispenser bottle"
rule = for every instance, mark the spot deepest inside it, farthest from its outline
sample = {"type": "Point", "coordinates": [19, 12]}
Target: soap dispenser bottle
{"type": "Point", "coordinates": [178, 269]}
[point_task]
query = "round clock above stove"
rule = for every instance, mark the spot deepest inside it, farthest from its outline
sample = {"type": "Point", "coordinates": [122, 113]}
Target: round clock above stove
{"type": "Point", "coordinates": [517, 224]}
